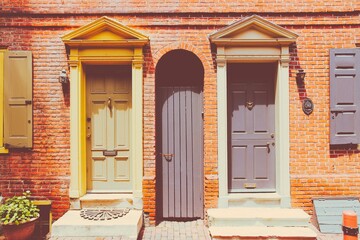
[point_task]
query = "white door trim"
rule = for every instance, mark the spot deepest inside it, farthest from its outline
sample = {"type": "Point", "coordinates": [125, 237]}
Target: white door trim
{"type": "Point", "coordinates": [78, 122]}
{"type": "Point", "coordinates": [281, 121]}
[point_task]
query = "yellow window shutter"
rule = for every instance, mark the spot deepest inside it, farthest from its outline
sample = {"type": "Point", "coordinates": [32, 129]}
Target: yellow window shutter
{"type": "Point", "coordinates": [18, 127]}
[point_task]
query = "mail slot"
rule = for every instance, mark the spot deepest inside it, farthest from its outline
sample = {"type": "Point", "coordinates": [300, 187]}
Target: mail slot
{"type": "Point", "coordinates": [110, 153]}
{"type": "Point", "coordinates": [249, 185]}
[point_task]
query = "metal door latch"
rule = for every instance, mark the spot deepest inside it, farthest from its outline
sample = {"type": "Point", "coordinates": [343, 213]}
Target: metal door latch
{"type": "Point", "coordinates": [167, 156]}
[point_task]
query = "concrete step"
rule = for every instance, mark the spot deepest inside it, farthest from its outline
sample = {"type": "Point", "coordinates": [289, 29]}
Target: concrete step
{"type": "Point", "coordinates": [106, 200]}
{"type": "Point", "coordinates": [73, 225]}
{"type": "Point", "coordinates": [269, 217]}
{"type": "Point", "coordinates": [254, 200]}
{"type": "Point", "coordinates": [262, 232]}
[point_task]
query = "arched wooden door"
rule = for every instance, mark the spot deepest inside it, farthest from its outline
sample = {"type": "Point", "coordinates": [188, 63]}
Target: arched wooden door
{"type": "Point", "coordinates": [180, 136]}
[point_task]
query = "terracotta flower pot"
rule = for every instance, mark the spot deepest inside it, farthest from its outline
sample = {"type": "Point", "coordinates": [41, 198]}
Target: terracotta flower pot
{"type": "Point", "coordinates": [22, 231]}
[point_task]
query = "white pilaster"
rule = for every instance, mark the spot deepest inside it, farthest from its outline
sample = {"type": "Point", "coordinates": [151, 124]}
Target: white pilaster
{"type": "Point", "coordinates": [222, 128]}
{"type": "Point", "coordinates": [74, 130]}
{"type": "Point", "coordinates": [137, 126]}
{"type": "Point", "coordinates": [282, 127]}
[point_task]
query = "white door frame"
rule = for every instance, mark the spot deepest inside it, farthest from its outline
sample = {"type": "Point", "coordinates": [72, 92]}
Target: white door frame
{"type": "Point", "coordinates": [281, 125]}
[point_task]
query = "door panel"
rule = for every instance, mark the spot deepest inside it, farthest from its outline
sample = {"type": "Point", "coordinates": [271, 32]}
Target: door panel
{"type": "Point", "coordinates": [99, 118]}
{"type": "Point", "coordinates": [122, 134]}
{"type": "Point", "coordinates": [181, 152]}
{"type": "Point", "coordinates": [108, 123]}
{"type": "Point", "coordinates": [251, 130]}
{"type": "Point", "coordinates": [99, 169]}
{"type": "Point", "coordinates": [122, 168]}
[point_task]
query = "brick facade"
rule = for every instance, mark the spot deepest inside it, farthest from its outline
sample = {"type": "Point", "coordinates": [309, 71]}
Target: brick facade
{"type": "Point", "coordinates": [316, 169]}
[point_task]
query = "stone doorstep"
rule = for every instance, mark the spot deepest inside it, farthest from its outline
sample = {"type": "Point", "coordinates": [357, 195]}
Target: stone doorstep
{"type": "Point", "coordinates": [255, 232]}
{"type": "Point", "coordinates": [274, 217]}
{"type": "Point", "coordinates": [107, 200]}
{"type": "Point", "coordinates": [73, 225]}
{"type": "Point", "coordinates": [254, 200]}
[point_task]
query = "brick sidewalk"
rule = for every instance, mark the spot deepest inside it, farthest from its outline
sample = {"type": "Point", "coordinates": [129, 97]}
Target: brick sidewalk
{"type": "Point", "coordinates": [166, 230]}
{"type": "Point", "coordinates": [173, 230]}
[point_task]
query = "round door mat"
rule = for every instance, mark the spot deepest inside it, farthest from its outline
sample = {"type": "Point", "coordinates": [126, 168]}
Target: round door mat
{"type": "Point", "coordinates": [102, 214]}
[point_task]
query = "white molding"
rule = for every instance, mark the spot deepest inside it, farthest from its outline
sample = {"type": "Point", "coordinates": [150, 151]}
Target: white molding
{"type": "Point", "coordinates": [74, 131]}
{"type": "Point", "coordinates": [222, 130]}
{"type": "Point", "coordinates": [126, 48]}
{"type": "Point", "coordinates": [281, 124]}
{"type": "Point", "coordinates": [137, 122]}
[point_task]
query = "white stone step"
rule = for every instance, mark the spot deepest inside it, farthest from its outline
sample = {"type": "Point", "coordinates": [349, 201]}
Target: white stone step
{"type": "Point", "coordinates": [73, 225]}
{"type": "Point", "coordinates": [107, 200]}
{"type": "Point", "coordinates": [254, 200]}
{"type": "Point", "coordinates": [270, 217]}
{"type": "Point", "coordinates": [256, 232]}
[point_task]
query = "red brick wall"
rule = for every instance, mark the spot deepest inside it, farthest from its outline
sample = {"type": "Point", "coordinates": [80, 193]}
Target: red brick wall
{"type": "Point", "coordinates": [45, 169]}
{"type": "Point", "coordinates": [170, 6]}
{"type": "Point", "coordinates": [38, 26]}
{"type": "Point", "coordinates": [318, 169]}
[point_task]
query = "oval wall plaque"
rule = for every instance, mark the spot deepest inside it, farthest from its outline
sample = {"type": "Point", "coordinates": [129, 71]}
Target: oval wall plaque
{"type": "Point", "coordinates": [307, 106]}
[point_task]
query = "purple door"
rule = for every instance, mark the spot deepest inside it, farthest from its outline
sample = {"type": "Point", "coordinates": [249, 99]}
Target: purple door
{"type": "Point", "coordinates": [181, 152]}
{"type": "Point", "coordinates": [251, 128]}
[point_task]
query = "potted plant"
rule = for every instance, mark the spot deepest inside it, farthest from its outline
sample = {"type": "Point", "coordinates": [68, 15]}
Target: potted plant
{"type": "Point", "coordinates": [18, 216]}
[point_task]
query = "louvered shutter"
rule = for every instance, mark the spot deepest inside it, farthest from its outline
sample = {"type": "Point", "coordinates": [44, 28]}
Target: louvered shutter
{"type": "Point", "coordinates": [18, 99]}
{"type": "Point", "coordinates": [344, 96]}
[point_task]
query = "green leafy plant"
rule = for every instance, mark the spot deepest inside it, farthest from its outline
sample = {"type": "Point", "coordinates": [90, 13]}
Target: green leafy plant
{"type": "Point", "coordinates": [18, 209]}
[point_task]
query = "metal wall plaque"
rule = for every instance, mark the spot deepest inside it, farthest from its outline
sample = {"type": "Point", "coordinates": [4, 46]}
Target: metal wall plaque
{"type": "Point", "coordinates": [307, 106]}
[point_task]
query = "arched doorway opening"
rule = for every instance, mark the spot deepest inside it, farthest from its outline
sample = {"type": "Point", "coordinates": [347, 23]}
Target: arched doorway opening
{"type": "Point", "coordinates": [179, 136]}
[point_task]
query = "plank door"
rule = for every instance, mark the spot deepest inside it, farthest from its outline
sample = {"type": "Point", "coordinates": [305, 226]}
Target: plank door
{"type": "Point", "coordinates": [251, 139]}
{"type": "Point", "coordinates": [109, 167]}
{"type": "Point", "coordinates": [181, 152]}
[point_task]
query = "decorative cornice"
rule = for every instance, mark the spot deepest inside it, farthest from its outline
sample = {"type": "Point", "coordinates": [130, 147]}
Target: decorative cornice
{"type": "Point", "coordinates": [127, 36]}
{"type": "Point", "coordinates": [281, 36]}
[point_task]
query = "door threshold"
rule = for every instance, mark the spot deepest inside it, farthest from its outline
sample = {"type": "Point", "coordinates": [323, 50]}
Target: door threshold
{"type": "Point", "coordinates": [107, 201]}
{"type": "Point", "coordinates": [264, 195]}
{"type": "Point", "coordinates": [251, 200]}
{"type": "Point", "coordinates": [105, 196]}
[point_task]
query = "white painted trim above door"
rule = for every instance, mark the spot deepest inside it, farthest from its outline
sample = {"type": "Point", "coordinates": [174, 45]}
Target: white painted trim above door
{"type": "Point", "coordinates": [281, 132]}
{"type": "Point", "coordinates": [255, 40]}
{"type": "Point", "coordinates": [103, 42]}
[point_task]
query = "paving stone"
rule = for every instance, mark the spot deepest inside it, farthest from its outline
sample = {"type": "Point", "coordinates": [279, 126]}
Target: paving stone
{"type": "Point", "coordinates": [172, 230]}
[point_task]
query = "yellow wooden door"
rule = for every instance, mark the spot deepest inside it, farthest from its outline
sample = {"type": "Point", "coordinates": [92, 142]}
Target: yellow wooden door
{"type": "Point", "coordinates": [109, 167]}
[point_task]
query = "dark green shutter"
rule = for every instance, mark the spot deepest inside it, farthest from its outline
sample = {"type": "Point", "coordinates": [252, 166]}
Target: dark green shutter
{"type": "Point", "coordinates": [18, 99]}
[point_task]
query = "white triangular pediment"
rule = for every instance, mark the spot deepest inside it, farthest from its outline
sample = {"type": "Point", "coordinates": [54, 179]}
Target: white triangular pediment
{"type": "Point", "coordinates": [253, 29]}
{"type": "Point", "coordinates": [102, 31]}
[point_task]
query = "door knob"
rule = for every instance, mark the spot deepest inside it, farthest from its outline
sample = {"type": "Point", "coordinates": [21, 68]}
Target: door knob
{"type": "Point", "coordinates": [249, 105]}
{"type": "Point", "coordinates": [109, 103]}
